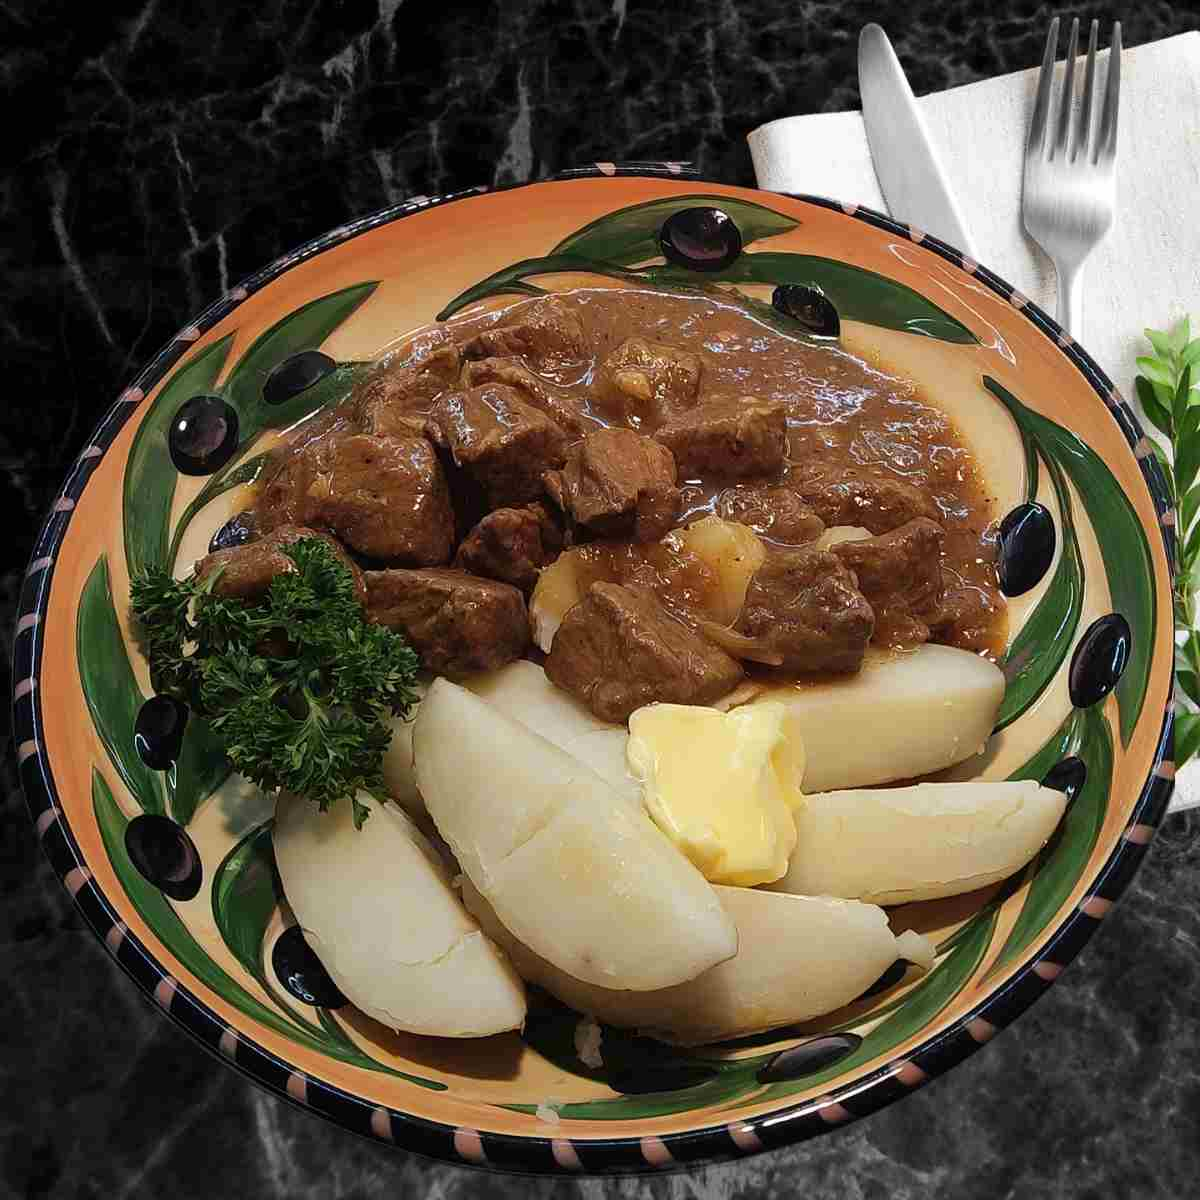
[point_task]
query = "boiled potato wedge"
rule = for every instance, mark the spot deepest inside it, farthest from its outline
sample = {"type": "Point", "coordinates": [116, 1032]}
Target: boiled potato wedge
{"type": "Point", "coordinates": [577, 873]}
{"type": "Point", "coordinates": [522, 690]}
{"type": "Point", "coordinates": [903, 715]}
{"type": "Point", "coordinates": [894, 845]}
{"type": "Point", "coordinates": [398, 775]}
{"type": "Point", "coordinates": [797, 958]}
{"type": "Point", "coordinates": [604, 750]}
{"type": "Point", "coordinates": [377, 908]}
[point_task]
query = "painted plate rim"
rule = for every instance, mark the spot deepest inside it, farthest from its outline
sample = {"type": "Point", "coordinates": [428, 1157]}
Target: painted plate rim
{"type": "Point", "coordinates": [514, 1152]}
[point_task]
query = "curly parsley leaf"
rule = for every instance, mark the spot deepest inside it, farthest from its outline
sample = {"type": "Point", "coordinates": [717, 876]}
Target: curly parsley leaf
{"type": "Point", "coordinates": [296, 683]}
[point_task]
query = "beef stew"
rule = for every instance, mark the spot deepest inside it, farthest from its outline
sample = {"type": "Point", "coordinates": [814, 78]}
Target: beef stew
{"type": "Point", "coordinates": [607, 418]}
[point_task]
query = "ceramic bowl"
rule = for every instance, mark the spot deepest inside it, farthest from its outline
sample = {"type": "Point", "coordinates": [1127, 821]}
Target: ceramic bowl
{"type": "Point", "coordinates": [173, 869]}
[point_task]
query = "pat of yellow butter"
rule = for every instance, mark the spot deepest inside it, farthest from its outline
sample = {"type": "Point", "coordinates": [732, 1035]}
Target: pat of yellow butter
{"type": "Point", "coordinates": [722, 786]}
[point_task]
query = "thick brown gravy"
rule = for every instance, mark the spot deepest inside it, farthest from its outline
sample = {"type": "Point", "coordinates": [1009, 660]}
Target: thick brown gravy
{"type": "Point", "coordinates": [841, 414]}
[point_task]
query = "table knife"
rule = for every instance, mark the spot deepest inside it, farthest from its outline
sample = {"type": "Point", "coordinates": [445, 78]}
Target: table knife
{"type": "Point", "coordinates": [906, 161]}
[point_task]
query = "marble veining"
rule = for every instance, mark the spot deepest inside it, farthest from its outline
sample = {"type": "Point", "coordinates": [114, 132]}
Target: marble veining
{"type": "Point", "coordinates": [159, 152]}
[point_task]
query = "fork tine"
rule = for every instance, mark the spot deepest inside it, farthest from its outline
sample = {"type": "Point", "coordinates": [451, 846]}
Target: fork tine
{"type": "Point", "coordinates": [1106, 143]}
{"type": "Point", "coordinates": [1041, 106]}
{"type": "Point", "coordinates": [1063, 135]}
{"type": "Point", "coordinates": [1083, 133]}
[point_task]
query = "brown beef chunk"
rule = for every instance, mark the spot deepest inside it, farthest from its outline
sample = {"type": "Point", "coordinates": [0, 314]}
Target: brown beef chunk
{"type": "Point", "coordinates": [900, 573]}
{"type": "Point", "coordinates": [542, 330]}
{"type": "Point", "coordinates": [394, 399]}
{"type": "Point", "coordinates": [384, 497]}
{"type": "Point", "coordinates": [514, 373]}
{"type": "Point", "coordinates": [651, 382]}
{"type": "Point", "coordinates": [456, 622]}
{"type": "Point", "coordinates": [856, 496]}
{"type": "Point", "coordinates": [618, 649]}
{"type": "Point", "coordinates": [775, 512]}
{"type": "Point", "coordinates": [966, 619]}
{"type": "Point", "coordinates": [803, 605]}
{"type": "Point", "coordinates": [556, 537]}
{"type": "Point", "coordinates": [500, 440]}
{"type": "Point", "coordinates": [338, 419]}
{"type": "Point", "coordinates": [618, 483]}
{"type": "Point", "coordinates": [247, 571]}
{"type": "Point", "coordinates": [512, 545]}
{"type": "Point", "coordinates": [735, 437]}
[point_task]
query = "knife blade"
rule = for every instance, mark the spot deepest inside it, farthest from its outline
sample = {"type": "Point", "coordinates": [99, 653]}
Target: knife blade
{"type": "Point", "coordinates": [906, 161]}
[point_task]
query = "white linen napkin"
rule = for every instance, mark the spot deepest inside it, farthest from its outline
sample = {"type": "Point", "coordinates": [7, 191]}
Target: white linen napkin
{"type": "Point", "coordinates": [1146, 273]}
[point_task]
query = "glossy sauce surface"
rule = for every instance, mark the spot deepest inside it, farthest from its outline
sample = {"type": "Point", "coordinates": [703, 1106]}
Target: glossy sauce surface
{"type": "Point", "coordinates": [842, 413]}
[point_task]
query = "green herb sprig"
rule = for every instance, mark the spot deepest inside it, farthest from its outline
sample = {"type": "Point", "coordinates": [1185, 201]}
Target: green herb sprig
{"type": "Point", "coordinates": [1168, 387]}
{"type": "Point", "coordinates": [296, 683]}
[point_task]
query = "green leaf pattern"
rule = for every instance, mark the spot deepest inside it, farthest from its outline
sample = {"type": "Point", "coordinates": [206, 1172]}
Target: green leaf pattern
{"type": "Point", "coordinates": [158, 913]}
{"type": "Point", "coordinates": [201, 769]}
{"type": "Point", "coordinates": [225, 480]}
{"type": "Point", "coordinates": [110, 688]}
{"type": "Point", "coordinates": [1039, 648]}
{"type": "Point", "coordinates": [611, 245]}
{"type": "Point", "coordinates": [149, 472]}
{"type": "Point", "coordinates": [244, 903]}
{"type": "Point", "coordinates": [1059, 866]}
{"type": "Point", "coordinates": [630, 235]}
{"type": "Point", "coordinates": [1123, 545]}
{"type": "Point", "coordinates": [304, 329]}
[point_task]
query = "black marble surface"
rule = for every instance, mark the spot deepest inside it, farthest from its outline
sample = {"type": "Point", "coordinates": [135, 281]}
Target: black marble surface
{"type": "Point", "coordinates": [160, 151]}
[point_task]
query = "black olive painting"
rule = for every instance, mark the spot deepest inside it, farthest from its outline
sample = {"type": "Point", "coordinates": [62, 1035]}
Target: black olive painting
{"type": "Point", "coordinates": [169, 854]}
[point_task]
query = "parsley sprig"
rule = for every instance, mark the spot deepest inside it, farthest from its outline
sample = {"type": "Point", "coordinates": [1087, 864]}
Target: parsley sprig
{"type": "Point", "coordinates": [1168, 387]}
{"type": "Point", "coordinates": [296, 684]}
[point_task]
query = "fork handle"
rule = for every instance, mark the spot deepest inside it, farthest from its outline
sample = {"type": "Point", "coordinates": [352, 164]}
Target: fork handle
{"type": "Point", "coordinates": [1070, 299]}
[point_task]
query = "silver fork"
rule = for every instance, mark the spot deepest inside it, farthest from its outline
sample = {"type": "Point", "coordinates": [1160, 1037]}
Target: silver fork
{"type": "Point", "coordinates": [1070, 190]}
